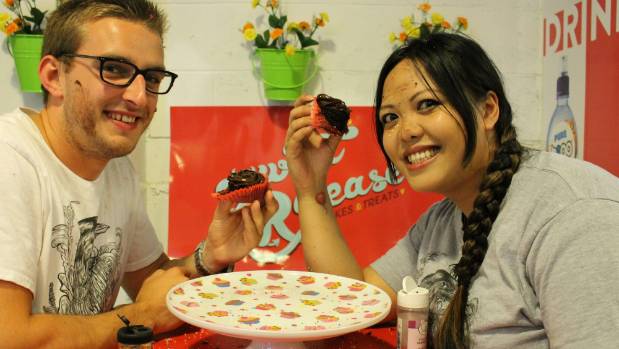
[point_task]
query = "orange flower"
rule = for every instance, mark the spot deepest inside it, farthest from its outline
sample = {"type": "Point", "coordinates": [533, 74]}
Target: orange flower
{"type": "Point", "coordinates": [276, 33]}
{"type": "Point", "coordinates": [273, 3]}
{"type": "Point", "coordinates": [248, 25]}
{"type": "Point", "coordinates": [425, 7]}
{"type": "Point", "coordinates": [403, 37]}
{"type": "Point", "coordinates": [12, 28]}
{"type": "Point", "coordinates": [319, 22]}
{"type": "Point", "coordinates": [304, 25]}
{"type": "Point", "coordinates": [9, 3]}
{"type": "Point", "coordinates": [463, 22]}
{"type": "Point", "coordinates": [446, 25]}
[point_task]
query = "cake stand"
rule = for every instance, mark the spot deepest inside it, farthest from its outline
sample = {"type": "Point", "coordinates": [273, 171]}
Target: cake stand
{"type": "Point", "coordinates": [278, 309]}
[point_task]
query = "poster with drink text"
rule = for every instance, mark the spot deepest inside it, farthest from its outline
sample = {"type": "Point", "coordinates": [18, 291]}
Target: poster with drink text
{"type": "Point", "coordinates": [208, 142]}
{"type": "Point", "coordinates": [581, 80]}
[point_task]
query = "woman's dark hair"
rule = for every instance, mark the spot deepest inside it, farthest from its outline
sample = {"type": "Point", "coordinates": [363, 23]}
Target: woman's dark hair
{"type": "Point", "coordinates": [464, 74]}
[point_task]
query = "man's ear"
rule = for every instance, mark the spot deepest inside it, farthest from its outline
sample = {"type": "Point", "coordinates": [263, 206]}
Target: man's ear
{"type": "Point", "coordinates": [490, 110]}
{"type": "Point", "coordinates": [49, 74]}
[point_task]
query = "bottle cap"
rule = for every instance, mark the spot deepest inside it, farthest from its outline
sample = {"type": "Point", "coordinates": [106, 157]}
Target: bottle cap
{"type": "Point", "coordinates": [411, 296]}
{"type": "Point", "coordinates": [563, 82]}
{"type": "Point", "coordinates": [134, 334]}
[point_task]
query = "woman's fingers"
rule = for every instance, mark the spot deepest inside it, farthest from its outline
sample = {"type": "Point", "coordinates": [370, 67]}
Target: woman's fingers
{"type": "Point", "coordinates": [301, 111]}
{"type": "Point", "coordinates": [333, 142]}
{"type": "Point", "coordinates": [303, 100]}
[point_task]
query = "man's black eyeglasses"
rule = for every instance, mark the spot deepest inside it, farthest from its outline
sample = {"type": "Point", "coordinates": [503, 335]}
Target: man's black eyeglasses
{"type": "Point", "coordinates": [119, 72]}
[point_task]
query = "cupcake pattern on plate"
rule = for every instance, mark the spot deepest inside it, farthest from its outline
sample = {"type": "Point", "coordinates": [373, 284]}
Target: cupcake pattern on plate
{"type": "Point", "coordinates": [284, 302]}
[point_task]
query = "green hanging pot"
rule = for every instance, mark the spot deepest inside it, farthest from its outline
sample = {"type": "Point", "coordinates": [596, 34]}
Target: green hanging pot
{"type": "Point", "coordinates": [284, 76]}
{"type": "Point", "coordinates": [26, 52]}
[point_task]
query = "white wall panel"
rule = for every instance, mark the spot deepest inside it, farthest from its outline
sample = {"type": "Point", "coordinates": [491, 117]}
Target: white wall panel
{"type": "Point", "coordinates": [205, 47]}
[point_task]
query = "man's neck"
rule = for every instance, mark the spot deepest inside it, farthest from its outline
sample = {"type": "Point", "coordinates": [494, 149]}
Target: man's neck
{"type": "Point", "coordinates": [51, 124]}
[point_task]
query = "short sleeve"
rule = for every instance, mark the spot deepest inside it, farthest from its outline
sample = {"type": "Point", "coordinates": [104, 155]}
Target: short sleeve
{"type": "Point", "coordinates": [20, 218]}
{"type": "Point", "coordinates": [401, 259]}
{"type": "Point", "coordinates": [573, 266]}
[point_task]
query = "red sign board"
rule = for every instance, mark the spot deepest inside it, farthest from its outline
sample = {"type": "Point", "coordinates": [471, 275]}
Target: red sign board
{"type": "Point", "coordinates": [208, 142]}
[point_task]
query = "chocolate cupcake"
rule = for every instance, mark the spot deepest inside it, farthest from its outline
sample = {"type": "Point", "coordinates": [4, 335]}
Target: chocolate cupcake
{"type": "Point", "coordinates": [330, 115]}
{"type": "Point", "coordinates": [244, 186]}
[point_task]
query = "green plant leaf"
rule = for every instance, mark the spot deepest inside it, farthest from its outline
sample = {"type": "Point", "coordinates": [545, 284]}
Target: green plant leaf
{"type": "Point", "coordinates": [308, 42]}
{"type": "Point", "coordinates": [300, 34]}
{"type": "Point", "coordinates": [274, 21]}
{"type": "Point", "coordinates": [282, 21]}
{"type": "Point", "coordinates": [259, 41]}
{"type": "Point", "coordinates": [424, 31]}
{"type": "Point", "coordinates": [37, 15]}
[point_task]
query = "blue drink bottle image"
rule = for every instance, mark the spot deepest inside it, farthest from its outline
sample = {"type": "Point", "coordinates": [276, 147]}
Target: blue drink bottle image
{"type": "Point", "coordinates": [561, 136]}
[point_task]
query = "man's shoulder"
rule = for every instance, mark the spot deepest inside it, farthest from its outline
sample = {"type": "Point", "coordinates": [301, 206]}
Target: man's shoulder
{"type": "Point", "coordinates": [17, 126]}
{"type": "Point", "coordinates": [18, 133]}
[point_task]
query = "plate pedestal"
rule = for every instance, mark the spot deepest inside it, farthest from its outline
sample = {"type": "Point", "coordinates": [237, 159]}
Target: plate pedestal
{"type": "Point", "coordinates": [255, 344]}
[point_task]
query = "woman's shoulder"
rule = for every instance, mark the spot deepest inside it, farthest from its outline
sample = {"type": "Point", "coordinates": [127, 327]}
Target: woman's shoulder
{"type": "Point", "coordinates": [560, 176]}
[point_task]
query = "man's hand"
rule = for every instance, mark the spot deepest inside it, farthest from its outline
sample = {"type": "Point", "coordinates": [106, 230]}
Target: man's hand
{"type": "Point", "coordinates": [233, 233]}
{"type": "Point", "coordinates": [152, 297]}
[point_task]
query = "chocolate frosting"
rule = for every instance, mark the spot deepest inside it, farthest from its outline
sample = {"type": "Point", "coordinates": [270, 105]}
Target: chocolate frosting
{"type": "Point", "coordinates": [244, 178]}
{"type": "Point", "coordinates": [335, 111]}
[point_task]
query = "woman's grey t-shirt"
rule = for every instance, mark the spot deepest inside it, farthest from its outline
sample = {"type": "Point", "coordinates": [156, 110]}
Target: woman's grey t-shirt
{"type": "Point", "coordinates": [550, 277]}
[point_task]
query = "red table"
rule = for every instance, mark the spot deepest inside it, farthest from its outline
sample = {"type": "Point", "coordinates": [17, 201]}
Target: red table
{"type": "Point", "coordinates": [189, 337]}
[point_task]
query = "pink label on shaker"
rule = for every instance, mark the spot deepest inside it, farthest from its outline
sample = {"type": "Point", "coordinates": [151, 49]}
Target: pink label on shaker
{"type": "Point", "coordinates": [416, 334]}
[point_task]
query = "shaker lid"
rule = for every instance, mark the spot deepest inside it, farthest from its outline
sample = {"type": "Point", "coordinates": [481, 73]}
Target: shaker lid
{"type": "Point", "coordinates": [412, 296]}
{"type": "Point", "coordinates": [134, 334]}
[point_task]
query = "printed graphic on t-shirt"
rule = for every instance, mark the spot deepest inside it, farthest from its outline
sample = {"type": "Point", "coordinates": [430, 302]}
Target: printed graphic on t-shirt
{"type": "Point", "coordinates": [441, 285]}
{"type": "Point", "coordinates": [89, 269]}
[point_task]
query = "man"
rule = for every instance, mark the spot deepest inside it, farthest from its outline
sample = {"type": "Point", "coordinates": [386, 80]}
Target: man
{"type": "Point", "coordinates": [72, 224]}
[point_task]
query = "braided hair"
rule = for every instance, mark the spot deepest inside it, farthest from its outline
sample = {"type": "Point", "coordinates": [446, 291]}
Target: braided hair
{"type": "Point", "coordinates": [464, 74]}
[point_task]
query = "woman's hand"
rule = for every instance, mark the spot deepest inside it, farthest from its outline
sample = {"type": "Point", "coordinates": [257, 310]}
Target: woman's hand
{"type": "Point", "coordinates": [308, 158]}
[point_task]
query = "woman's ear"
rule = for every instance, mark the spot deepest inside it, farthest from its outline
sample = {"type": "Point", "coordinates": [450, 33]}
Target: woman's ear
{"type": "Point", "coordinates": [49, 74]}
{"type": "Point", "coordinates": [490, 111]}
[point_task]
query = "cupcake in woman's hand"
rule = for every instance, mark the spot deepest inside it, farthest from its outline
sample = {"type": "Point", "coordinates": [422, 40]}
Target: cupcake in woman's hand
{"type": "Point", "coordinates": [244, 186]}
{"type": "Point", "coordinates": [329, 115]}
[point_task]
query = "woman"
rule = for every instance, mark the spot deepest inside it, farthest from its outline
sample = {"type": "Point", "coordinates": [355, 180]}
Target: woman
{"type": "Point", "coordinates": [521, 253]}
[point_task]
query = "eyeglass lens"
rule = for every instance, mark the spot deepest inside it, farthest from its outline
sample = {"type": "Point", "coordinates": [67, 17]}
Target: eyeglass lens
{"type": "Point", "coordinates": [120, 73]}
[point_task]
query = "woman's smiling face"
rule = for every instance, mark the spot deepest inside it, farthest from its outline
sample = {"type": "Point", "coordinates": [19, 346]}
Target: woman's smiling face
{"type": "Point", "coordinates": [424, 136]}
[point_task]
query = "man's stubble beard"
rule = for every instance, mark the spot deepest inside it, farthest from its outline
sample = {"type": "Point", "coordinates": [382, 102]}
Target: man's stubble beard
{"type": "Point", "coordinates": [81, 126]}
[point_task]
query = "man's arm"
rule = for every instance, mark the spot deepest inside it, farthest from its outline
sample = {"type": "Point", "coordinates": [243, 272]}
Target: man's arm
{"type": "Point", "coordinates": [21, 329]}
{"type": "Point", "coordinates": [231, 235]}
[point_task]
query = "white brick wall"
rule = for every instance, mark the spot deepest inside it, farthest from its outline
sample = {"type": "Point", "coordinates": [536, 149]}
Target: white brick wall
{"type": "Point", "coordinates": [205, 47]}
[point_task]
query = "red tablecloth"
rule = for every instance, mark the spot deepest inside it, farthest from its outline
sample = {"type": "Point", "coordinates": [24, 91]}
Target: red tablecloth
{"type": "Point", "coordinates": [194, 338]}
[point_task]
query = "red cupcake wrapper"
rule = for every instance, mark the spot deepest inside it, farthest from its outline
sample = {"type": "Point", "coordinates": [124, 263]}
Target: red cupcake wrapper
{"type": "Point", "coordinates": [244, 195]}
{"type": "Point", "coordinates": [320, 123]}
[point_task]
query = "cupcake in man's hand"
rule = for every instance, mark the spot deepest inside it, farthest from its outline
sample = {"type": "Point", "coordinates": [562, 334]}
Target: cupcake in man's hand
{"type": "Point", "coordinates": [244, 186]}
{"type": "Point", "coordinates": [329, 115]}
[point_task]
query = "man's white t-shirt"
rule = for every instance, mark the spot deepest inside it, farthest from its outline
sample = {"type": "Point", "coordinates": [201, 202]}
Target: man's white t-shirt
{"type": "Point", "coordinates": [66, 239]}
